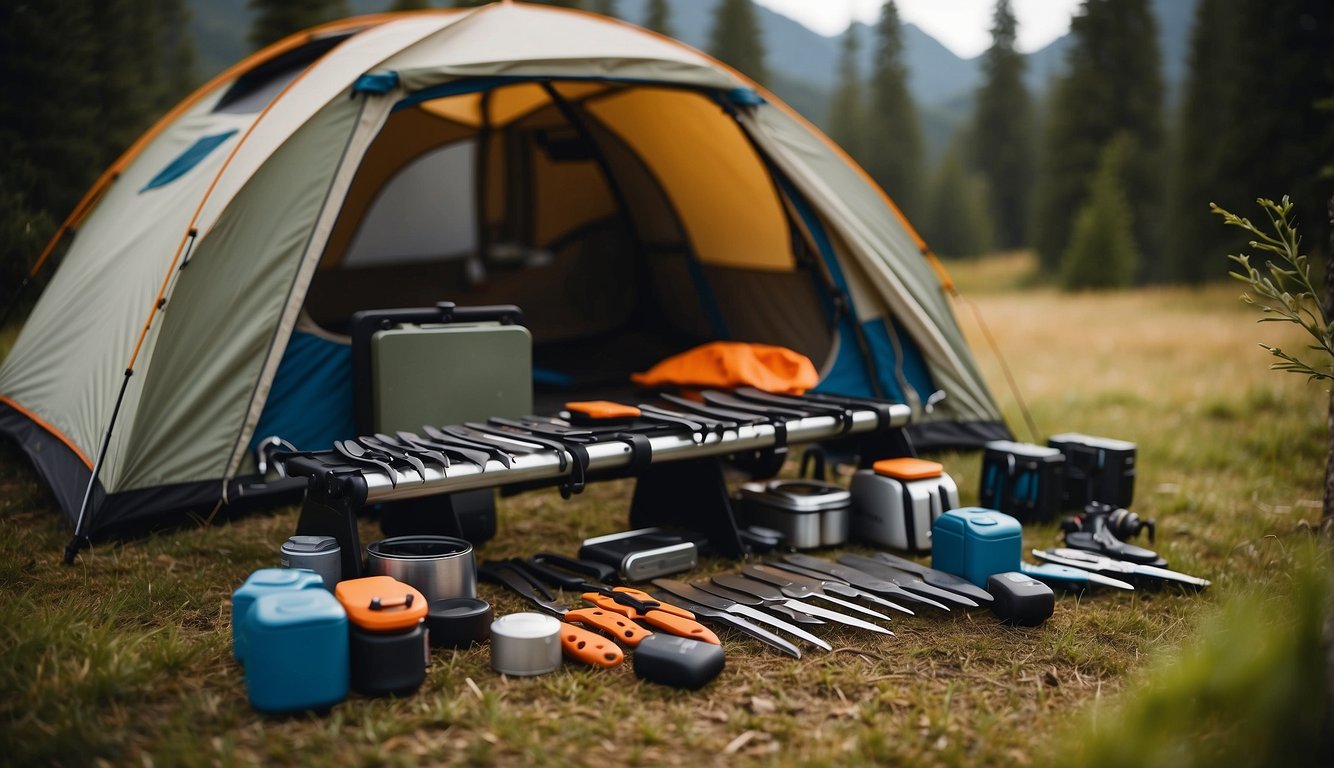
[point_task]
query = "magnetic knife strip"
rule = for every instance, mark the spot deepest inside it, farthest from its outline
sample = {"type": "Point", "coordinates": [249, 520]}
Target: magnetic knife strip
{"type": "Point", "coordinates": [674, 447]}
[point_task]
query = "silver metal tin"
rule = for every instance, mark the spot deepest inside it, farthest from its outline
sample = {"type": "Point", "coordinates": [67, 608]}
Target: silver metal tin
{"type": "Point", "coordinates": [438, 566]}
{"type": "Point", "coordinates": [809, 513]}
{"type": "Point", "coordinates": [525, 644]}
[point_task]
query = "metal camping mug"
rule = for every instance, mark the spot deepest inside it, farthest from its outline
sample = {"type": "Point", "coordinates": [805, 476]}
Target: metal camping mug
{"type": "Point", "coordinates": [438, 566]}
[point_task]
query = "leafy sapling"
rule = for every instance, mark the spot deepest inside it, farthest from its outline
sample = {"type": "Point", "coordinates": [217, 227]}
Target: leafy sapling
{"type": "Point", "coordinates": [1283, 289]}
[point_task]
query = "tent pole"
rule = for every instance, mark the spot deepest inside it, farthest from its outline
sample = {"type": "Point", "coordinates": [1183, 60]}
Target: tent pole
{"type": "Point", "coordinates": [481, 177]}
{"type": "Point", "coordinates": [80, 540]}
{"type": "Point", "coordinates": [579, 124]}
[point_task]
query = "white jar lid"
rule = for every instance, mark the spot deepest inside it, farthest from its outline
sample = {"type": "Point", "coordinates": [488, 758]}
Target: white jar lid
{"type": "Point", "coordinates": [525, 644]}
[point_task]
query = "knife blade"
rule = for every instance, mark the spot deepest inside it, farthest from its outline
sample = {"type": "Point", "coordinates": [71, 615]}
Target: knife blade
{"type": "Point", "coordinates": [738, 623]}
{"type": "Point", "coordinates": [830, 584]}
{"type": "Point", "coordinates": [936, 578]}
{"type": "Point", "coordinates": [687, 592]}
{"type": "Point", "coordinates": [860, 579]}
{"type": "Point", "coordinates": [796, 587]}
{"type": "Point", "coordinates": [351, 450]}
{"type": "Point", "coordinates": [375, 444]}
{"type": "Point", "coordinates": [771, 594]}
{"type": "Point", "coordinates": [751, 601]}
{"type": "Point", "coordinates": [1064, 575]}
{"type": "Point", "coordinates": [909, 581]}
{"type": "Point", "coordinates": [1078, 558]}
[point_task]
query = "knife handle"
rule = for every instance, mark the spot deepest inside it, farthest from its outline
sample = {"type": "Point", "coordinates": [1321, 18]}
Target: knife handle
{"type": "Point", "coordinates": [681, 627]}
{"type": "Point", "coordinates": [645, 597]}
{"type": "Point", "coordinates": [589, 647]}
{"type": "Point", "coordinates": [669, 622]}
{"type": "Point", "coordinates": [616, 625]}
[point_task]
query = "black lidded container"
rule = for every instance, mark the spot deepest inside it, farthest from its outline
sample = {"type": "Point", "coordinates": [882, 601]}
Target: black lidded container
{"type": "Point", "coordinates": [1022, 480]}
{"type": "Point", "coordinates": [1098, 469]}
{"type": "Point", "coordinates": [388, 641]}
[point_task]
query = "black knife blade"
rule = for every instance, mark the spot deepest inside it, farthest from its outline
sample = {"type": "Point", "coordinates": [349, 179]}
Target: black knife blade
{"type": "Point", "coordinates": [861, 579]}
{"type": "Point", "coordinates": [936, 578]}
{"type": "Point", "coordinates": [909, 581]}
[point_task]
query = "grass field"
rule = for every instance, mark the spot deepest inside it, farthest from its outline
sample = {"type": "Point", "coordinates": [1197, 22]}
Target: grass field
{"type": "Point", "coordinates": [125, 657]}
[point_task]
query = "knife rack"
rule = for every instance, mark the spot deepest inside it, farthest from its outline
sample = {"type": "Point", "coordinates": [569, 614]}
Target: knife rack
{"type": "Point", "coordinates": [675, 450]}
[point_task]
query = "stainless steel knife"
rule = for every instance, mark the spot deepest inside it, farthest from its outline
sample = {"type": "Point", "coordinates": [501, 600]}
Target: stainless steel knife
{"type": "Point", "coordinates": [860, 579]}
{"type": "Point", "coordinates": [799, 588]}
{"type": "Point", "coordinates": [736, 622]}
{"type": "Point", "coordinates": [936, 578]}
{"type": "Point", "coordinates": [837, 586]}
{"type": "Point", "coordinates": [771, 595]}
{"type": "Point", "coordinates": [687, 592]}
{"type": "Point", "coordinates": [909, 581]}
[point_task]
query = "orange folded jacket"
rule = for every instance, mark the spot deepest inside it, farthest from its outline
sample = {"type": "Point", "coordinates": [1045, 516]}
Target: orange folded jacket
{"type": "Point", "coordinates": [731, 364]}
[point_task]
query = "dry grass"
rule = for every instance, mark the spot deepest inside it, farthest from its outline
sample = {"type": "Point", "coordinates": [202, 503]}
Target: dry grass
{"type": "Point", "coordinates": [125, 657]}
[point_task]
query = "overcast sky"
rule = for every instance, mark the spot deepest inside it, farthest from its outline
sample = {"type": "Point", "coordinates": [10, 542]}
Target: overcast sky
{"type": "Point", "coordinates": [963, 26]}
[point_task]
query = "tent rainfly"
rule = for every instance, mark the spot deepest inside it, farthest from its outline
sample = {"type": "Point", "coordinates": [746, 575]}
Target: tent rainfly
{"type": "Point", "coordinates": [632, 195]}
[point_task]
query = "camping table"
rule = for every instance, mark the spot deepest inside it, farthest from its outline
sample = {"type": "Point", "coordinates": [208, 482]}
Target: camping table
{"type": "Point", "coordinates": [675, 451]}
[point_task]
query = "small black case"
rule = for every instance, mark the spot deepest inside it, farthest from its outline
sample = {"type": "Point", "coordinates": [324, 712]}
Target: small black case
{"type": "Point", "coordinates": [385, 663]}
{"type": "Point", "coordinates": [1096, 469]}
{"type": "Point", "coordinates": [677, 661]}
{"type": "Point", "coordinates": [1020, 599]}
{"type": "Point", "coordinates": [1023, 480]}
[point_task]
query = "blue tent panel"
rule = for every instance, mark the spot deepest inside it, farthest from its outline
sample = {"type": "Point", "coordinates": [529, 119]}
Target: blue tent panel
{"type": "Point", "coordinates": [188, 159]}
{"type": "Point", "coordinates": [310, 404]}
{"type": "Point", "coordinates": [888, 364]}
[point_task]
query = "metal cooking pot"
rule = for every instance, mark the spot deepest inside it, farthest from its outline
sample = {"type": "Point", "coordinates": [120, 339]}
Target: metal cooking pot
{"type": "Point", "coordinates": [438, 566]}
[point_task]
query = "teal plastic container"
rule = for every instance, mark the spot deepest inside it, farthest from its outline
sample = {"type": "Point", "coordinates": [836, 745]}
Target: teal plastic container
{"type": "Point", "coordinates": [265, 581]}
{"type": "Point", "coordinates": [296, 651]}
{"type": "Point", "coordinates": [974, 543]}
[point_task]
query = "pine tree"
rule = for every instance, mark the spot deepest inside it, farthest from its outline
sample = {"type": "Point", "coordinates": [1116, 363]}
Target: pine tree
{"type": "Point", "coordinates": [1249, 130]}
{"type": "Point", "coordinates": [83, 81]}
{"type": "Point", "coordinates": [847, 114]}
{"type": "Point", "coordinates": [736, 38]}
{"type": "Point", "coordinates": [1102, 251]}
{"type": "Point", "coordinates": [957, 222]}
{"type": "Point", "coordinates": [893, 137]}
{"type": "Point", "coordinates": [276, 19]}
{"type": "Point", "coordinates": [659, 17]}
{"type": "Point", "coordinates": [604, 7]}
{"type": "Point", "coordinates": [1112, 84]}
{"type": "Point", "coordinates": [1195, 238]}
{"type": "Point", "coordinates": [1002, 147]}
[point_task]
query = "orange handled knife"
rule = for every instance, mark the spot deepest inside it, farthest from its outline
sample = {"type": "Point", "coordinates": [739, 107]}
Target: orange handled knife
{"type": "Point", "coordinates": [640, 606]}
{"type": "Point", "coordinates": [589, 647]}
{"type": "Point", "coordinates": [576, 642]}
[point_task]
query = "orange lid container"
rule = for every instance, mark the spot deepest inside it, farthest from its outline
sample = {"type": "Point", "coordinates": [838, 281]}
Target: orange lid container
{"type": "Point", "coordinates": [908, 469]}
{"type": "Point", "coordinates": [381, 603]}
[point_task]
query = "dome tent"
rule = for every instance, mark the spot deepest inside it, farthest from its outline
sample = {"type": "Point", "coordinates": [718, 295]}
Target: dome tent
{"type": "Point", "coordinates": [632, 195]}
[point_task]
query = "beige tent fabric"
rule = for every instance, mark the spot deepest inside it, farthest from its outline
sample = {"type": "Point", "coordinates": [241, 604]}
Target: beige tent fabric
{"type": "Point", "coordinates": [857, 212]}
{"type": "Point", "coordinates": [288, 186]}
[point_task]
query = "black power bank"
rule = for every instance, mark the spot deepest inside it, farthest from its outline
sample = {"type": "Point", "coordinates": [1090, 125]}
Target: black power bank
{"type": "Point", "coordinates": [677, 661]}
{"type": "Point", "coordinates": [1020, 599]}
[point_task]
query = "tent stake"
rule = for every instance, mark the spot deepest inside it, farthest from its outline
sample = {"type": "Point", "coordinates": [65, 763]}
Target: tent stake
{"type": "Point", "coordinates": [80, 541]}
